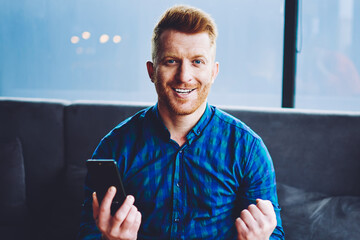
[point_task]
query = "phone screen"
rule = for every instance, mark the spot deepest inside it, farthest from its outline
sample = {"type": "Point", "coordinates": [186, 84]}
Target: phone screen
{"type": "Point", "coordinates": [102, 174]}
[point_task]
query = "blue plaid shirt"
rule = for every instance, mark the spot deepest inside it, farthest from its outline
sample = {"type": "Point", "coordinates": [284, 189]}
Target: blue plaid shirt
{"type": "Point", "coordinates": [194, 191]}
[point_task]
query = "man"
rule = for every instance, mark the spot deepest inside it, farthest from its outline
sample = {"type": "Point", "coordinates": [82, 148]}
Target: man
{"type": "Point", "coordinates": [195, 171]}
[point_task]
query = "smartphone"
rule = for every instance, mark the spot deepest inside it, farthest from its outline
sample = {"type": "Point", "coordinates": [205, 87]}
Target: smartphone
{"type": "Point", "coordinates": [102, 174]}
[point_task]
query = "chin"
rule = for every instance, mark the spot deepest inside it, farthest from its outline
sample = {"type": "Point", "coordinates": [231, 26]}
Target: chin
{"type": "Point", "coordinates": [181, 107]}
{"type": "Point", "coordinates": [184, 109]}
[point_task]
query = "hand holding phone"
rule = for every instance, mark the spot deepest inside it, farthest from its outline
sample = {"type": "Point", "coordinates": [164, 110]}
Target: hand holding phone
{"type": "Point", "coordinates": [124, 224]}
{"type": "Point", "coordinates": [102, 175]}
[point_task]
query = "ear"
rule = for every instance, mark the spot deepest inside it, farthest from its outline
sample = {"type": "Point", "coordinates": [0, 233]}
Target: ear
{"type": "Point", "coordinates": [215, 71]}
{"type": "Point", "coordinates": [150, 70]}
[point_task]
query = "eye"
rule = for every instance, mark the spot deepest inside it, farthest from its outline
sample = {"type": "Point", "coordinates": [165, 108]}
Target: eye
{"type": "Point", "coordinates": [197, 61]}
{"type": "Point", "coordinates": [170, 61]}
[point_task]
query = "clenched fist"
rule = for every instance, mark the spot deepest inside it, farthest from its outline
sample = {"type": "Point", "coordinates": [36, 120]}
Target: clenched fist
{"type": "Point", "coordinates": [257, 222]}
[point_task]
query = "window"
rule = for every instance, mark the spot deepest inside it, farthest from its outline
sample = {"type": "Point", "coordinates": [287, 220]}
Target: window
{"type": "Point", "coordinates": [98, 49]}
{"type": "Point", "coordinates": [328, 65]}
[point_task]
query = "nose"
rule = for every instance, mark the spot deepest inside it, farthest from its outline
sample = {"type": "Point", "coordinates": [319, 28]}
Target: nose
{"type": "Point", "coordinates": [184, 73]}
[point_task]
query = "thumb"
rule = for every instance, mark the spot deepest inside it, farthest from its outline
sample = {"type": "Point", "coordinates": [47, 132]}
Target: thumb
{"type": "Point", "coordinates": [95, 206]}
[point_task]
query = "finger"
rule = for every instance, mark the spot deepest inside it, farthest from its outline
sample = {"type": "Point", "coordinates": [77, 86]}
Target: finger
{"type": "Point", "coordinates": [248, 219]}
{"type": "Point", "coordinates": [123, 211]}
{"type": "Point", "coordinates": [137, 223]}
{"type": "Point", "coordinates": [241, 228]}
{"type": "Point", "coordinates": [257, 214]}
{"type": "Point", "coordinates": [104, 210]}
{"type": "Point", "coordinates": [265, 206]}
{"type": "Point", "coordinates": [129, 220]}
{"type": "Point", "coordinates": [95, 206]}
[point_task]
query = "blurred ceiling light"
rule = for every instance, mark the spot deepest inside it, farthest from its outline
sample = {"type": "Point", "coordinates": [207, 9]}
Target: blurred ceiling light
{"type": "Point", "coordinates": [116, 39]}
{"type": "Point", "coordinates": [104, 38]}
{"type": "Point", "coordinates": [86, 35]}
{"type": "Point", "coordinates": [74, 39]}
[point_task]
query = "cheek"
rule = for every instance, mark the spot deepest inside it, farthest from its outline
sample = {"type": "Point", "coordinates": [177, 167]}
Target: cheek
{"type": "Point", "coordinates": [207, 77]}
{"type": "Point", "coordinates": [163, 76]}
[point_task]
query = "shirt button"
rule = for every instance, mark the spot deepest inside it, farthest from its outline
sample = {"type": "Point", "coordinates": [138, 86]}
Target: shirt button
{"type": "Point", "coordinates": [178, 184]}
{"type": "Point", "coordinates": [177, 220]}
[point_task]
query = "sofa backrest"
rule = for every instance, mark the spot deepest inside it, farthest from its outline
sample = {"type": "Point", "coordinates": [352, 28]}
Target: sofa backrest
{"type": "Point", "coordinates": [38, 125]}
{"type": "Point", "coordinates": [312, 150]}
{"type": "Point", "coordinates": [316, 151]}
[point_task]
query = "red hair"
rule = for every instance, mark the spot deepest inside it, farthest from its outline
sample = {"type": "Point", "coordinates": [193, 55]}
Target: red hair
{"type": "Point", "coordinates": [184, 19]}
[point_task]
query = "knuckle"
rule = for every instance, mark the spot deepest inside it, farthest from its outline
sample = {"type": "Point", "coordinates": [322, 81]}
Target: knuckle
{"type": "Point", "coordinates": [258, 231]}
{"type": "Point", "coordinates": [244, 213]}
{"type": "Point", "coordinates": [133, 208]}
{"type": "Point", "coordinates": [271, 219]}
{"type": "Point", "coordinates": [266, 203]}
{"type": "Point", "coordinates": [238, 224]}
{"type": "Point", "coordinates": [102, 210]}
{"type": "Point", "coordinates": [273, 222]}
{"type": "Point", "coordinates": [102, 213]}
{"type": "Point", "coordinates": [126, 206]}
{"type": "Point", "coordinates": [252, 207]}
{"type": "Point", "coordinates": [101, 227]}
{"type": "Point", "coordinates": [261, 224]}
{"type": "Point", "coordinates": [138, 218]}
{"type": "Point", "coordinates": [138, 221]}
{"type": "Point", "coordinates": [112, 232]}
{"type": "Point", "coordinates": [119, 217]}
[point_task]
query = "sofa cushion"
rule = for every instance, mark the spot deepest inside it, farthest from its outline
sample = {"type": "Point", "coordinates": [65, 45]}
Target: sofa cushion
{"type": "Point", "coordinates": [12, 182]}
{"type": "Point", "coordinates": [312, 215]}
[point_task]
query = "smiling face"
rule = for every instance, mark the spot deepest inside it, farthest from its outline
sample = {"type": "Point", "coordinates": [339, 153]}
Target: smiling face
{"type": "Point", "coordinates": [183, 72]}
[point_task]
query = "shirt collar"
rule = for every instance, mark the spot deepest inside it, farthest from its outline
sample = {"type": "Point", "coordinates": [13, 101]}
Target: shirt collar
{"type": "Point", "coordinates": [201, 124]}
{"type": "Point", "coordinates": [194, 132]}
{"type": "Point", "coordinates": [160, 127]}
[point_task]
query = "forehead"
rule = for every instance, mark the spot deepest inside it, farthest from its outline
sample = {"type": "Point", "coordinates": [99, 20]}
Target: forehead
{"type": "Point", "coordinates": [181, 43]}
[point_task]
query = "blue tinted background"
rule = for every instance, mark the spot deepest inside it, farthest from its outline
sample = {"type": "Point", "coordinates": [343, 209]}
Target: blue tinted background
{"type": "Point", "coordinates": [38, 58]}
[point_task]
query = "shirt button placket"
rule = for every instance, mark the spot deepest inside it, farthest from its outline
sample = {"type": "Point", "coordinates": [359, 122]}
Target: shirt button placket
{"type": "Point", "coordinates": [177, 198]}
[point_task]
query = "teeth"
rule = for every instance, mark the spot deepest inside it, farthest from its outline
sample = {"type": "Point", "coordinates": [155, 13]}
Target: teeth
{"type": "Point", "coordinates": [183, 90]}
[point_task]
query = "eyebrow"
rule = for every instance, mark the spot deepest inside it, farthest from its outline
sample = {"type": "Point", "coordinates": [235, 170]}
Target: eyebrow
{"type": "Point", "coordinates": [200, 56]}
{"type": "Point", "coordinates": [171, 55]}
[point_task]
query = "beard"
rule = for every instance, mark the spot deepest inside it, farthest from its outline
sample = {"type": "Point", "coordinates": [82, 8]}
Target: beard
{"type": "Point", "coordinates": [181, 106]}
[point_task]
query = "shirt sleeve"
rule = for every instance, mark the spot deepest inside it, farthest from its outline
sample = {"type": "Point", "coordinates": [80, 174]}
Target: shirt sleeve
{"type": "Point", "coordinates": [88, 229]}
{"type": "Point", "coordinates": [259, 181]}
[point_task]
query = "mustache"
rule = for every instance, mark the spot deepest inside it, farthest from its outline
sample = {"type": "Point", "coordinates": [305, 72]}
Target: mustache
{"type": "Point", "coordinates": [184, 86]}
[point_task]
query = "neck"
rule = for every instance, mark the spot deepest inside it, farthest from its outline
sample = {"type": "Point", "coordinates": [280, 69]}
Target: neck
{"type": "Point", "coordinates": [180, 125]}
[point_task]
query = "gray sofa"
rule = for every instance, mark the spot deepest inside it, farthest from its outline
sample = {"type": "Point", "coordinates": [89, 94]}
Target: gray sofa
{"type": "Point", "coordinates": [44, 145]}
